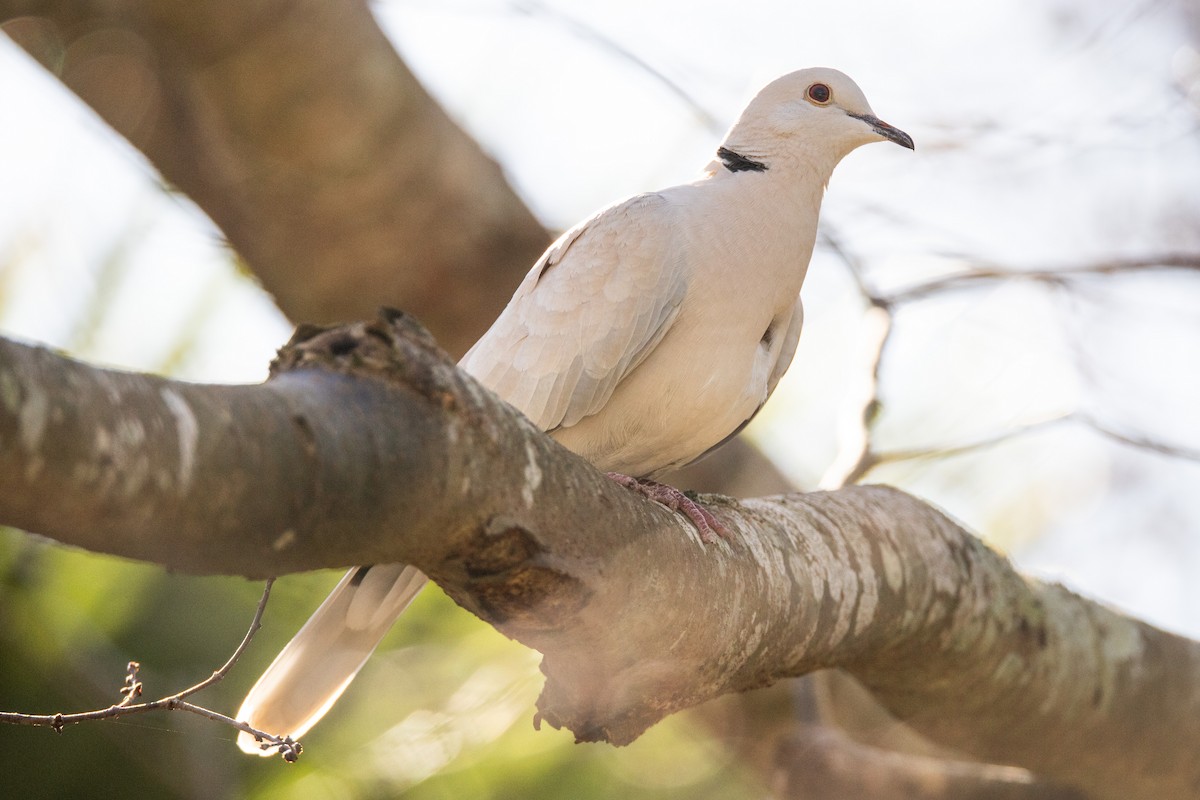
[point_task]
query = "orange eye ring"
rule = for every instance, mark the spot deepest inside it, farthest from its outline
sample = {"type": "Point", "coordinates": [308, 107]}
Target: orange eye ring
{"type": "Point", "coordinates": [820, 94]}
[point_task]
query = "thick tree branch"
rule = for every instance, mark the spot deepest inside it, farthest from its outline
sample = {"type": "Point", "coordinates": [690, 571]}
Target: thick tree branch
{"type": "Point", "coordinates": [616, 592]}
{"type": "Point", "coordinates": [365, 441]}
{"type": "Point", "coordinates": [297, 128]}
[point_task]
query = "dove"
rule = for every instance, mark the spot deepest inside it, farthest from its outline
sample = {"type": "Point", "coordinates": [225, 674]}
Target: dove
{"type": "Point", "coordinates": [644, 337]}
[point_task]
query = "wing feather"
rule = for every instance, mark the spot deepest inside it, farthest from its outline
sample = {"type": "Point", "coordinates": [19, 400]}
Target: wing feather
{"type": "Point", "coordinates": [589, 311]}
{"type": "Point", "coordinates": [787, 351]}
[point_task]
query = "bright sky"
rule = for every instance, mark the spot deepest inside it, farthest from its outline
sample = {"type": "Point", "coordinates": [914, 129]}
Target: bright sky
{"type": "Point", "coordinates": [1048, 134]}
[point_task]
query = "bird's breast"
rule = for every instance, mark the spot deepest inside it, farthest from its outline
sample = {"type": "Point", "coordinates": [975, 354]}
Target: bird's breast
{"type": "Point", "coordinates": [698, 386]}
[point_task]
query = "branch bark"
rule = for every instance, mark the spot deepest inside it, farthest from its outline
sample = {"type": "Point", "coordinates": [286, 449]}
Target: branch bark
{"type": "Point", "coordinates": [614, 591]}
{"type": "Point", "coordinates": [297, 128]}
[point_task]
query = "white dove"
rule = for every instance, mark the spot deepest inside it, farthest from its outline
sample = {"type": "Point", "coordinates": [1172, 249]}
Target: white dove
{"type": "Point", "coordinates": [644, 337]}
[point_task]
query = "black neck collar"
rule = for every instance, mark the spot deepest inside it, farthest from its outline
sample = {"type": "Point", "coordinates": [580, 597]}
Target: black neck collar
{"type": "Point", "coordinates": [736, 162]}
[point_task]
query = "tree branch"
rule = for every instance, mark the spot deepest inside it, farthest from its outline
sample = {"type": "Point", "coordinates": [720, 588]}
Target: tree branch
{"type": "Point", "coordinates": [614, 591]}
{"type": "Point", "coordinates": [1137, 441]}
{"type": "Point", "coordinates": [992, 273]}
{"type": "Point", "coordinates": [857, 454]}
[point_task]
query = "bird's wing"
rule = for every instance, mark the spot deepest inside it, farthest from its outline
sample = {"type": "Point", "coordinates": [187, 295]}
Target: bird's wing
{"type": "Point", "coordinates": [591, 309]}
{"type": "Point", "coordinates": [787, 350]}
{"type": "Point", "coordinates": [318, 664]}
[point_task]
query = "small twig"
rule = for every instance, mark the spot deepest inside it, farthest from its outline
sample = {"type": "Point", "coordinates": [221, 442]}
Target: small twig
{"type": "Point", "coordinates": [858, 456]}
{"type": "Point", "coordinates": [1138, 441]}
{"type": "Point", "coordinates": [870, 459]}
{"type": "Point", "coordinates": [255, 624]}
{"type": "Point", "coordinates": [832, 240]}
{"type": "Point", "coordinates": [989, 273]}
{"type": "Point", "coordinates": [132, 689]}
{"type": "Point", "coordinates": [855, 454]}
{"type": "Point", "coordinates": [947, 451]}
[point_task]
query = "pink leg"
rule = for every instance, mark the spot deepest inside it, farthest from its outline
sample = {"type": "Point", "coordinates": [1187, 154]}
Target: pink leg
{"type": "Point", "coordinates": [708, 526]}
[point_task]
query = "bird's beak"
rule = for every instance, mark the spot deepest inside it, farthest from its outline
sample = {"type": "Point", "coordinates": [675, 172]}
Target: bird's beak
{"type": "Point", "coordinates": [887, 131]}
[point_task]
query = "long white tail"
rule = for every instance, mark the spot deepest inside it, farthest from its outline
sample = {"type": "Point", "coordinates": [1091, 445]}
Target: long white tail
{"type": "Point", "coordinates": [317, 665]}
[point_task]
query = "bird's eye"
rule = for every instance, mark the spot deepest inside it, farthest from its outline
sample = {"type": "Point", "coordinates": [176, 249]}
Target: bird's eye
{"type": "Point", "coordinates": [819, 93]}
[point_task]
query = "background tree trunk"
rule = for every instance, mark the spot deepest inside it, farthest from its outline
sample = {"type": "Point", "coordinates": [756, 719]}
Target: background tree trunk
{"type": "Point", "coordinates": [297, 128]}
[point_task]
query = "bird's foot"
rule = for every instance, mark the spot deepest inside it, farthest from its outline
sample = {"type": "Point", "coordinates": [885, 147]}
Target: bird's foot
{"type": "Point", "coordinates": [708, 526]}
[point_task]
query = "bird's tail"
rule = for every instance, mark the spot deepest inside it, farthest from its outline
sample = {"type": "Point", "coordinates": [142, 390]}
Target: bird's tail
{"type": "Point", "coordinates": [317, 665]}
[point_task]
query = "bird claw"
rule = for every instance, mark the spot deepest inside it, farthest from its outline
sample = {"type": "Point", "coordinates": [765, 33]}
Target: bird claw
{"type": "Point", "coordinates": [708, 526]}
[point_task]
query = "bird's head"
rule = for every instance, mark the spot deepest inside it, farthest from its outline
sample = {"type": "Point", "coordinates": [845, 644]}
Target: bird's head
{"type": "Point", "coordinates": [817, 115]}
